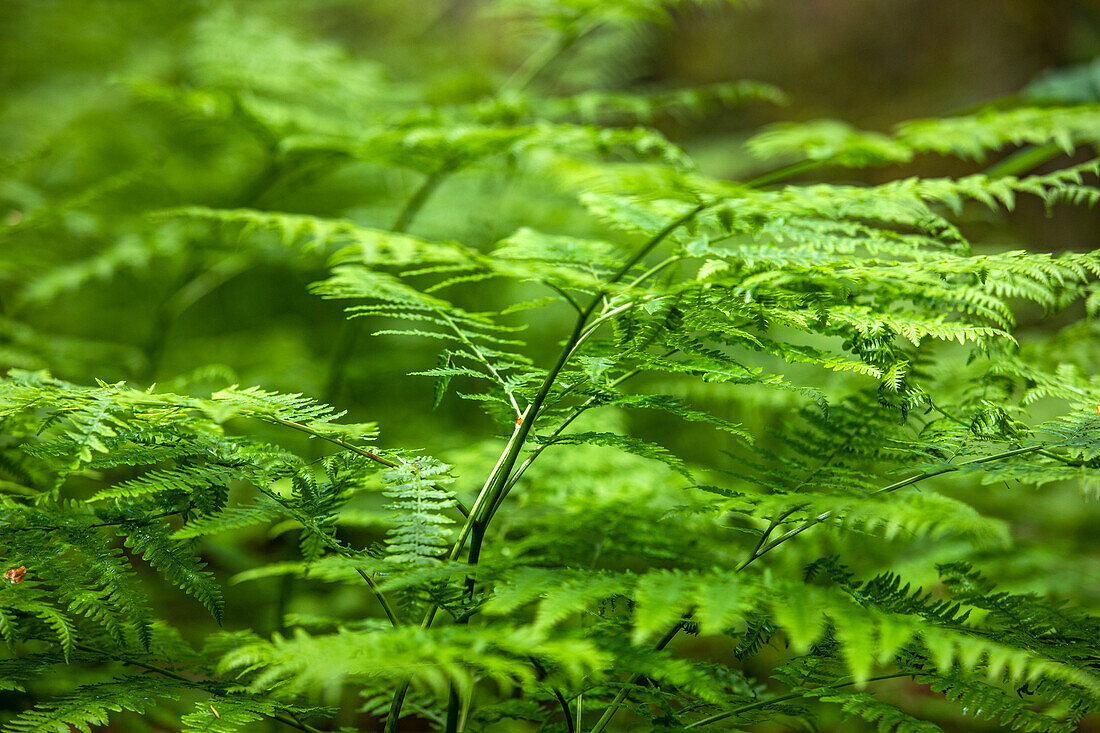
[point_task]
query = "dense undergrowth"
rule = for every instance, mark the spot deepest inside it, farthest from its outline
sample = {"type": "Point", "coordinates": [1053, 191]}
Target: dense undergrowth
{"type": "Point", "coordinates": [743, 453]}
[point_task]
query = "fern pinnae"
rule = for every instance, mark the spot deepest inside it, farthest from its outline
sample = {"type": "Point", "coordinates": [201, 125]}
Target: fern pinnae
{"type": "Point", "coordinates": [177, 564]}
{"type": "Point", "coordinates": [869, 355]}
{"type": "Point", "coordinates": [420, 494]}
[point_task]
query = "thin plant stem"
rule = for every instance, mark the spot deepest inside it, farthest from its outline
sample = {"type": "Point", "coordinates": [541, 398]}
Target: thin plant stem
{"type": "Point", "coordinates": [538, 62]}
{"type": "Point", "coordinates": [498, 479]}
{"type": "Point", "coordinates": [197, 684]}
{"type": "Point", "coordinates": [785, 698]}
{"type": "Point", "coordinates": [451, 726]}
{"type": "Point", "coordinates": [566, 422]}
{"type": "Point", "coordinates": [339, 549]}
{"type": "Point", "coordinates": [349, 332]}
{"type": "Point", "coordinates": [480, 356]}
{"type": "Point", "coordinates": [950, 468]}
{"type": "Point", "coordinates": [787, 171]}
{"type": "Point", "coordinates": [420, 197]}
{"type": "Point", "coordinates": [565, 294]}
{"type": "Point", "coordinates": [358, 450]}
{"type": "Point", "coordinates": [655, 269]}
{"type": "Point", "coordinates": [331, 439]}
{"type": "Point", "coordinates": [1023, 161]}
{"type": "Point", "coordinates": [565, 710]}
{"type": "Point", "coordinates": [456, 549]}
{"type": "Point", "coordinates": [535, 407]}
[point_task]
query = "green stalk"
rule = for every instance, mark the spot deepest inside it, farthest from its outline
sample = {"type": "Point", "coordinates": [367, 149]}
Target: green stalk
{"type": "Point", "coordinates": [349, 447]}
{"type": "Point", "coordinates": [1023, 161]}
{"type": "Point", "coordinates": [785, 698]}
{"type": "Point", "coordinates": [541, 60]}
{"type": "Point", "coordinates": [482, 497]}
{"type": "Point", "coordinates": [566, 422]}
{"type": "Point", "coordinates": [349, 333]}
{"type": "Point", "coordinates": [787, 171]}
{"type": "Point", "coordinates": [487, 500]}
{"type": "Point", "coordinates": [886, 489]}
{"type": "Point", "coordinates": [420, 197]}
{"type": "Point", "coordinates": [335, 441]}
{"type": "Point", "coordinates": [535, 407]}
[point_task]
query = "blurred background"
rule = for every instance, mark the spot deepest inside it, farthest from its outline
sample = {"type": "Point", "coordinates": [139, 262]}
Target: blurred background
{"type": "Point", "coordinates": [111, 109]}
{"type": "Point", "coordinates": [92, 106]}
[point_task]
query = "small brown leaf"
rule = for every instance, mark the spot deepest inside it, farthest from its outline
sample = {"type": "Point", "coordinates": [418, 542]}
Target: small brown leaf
{"type": "Point", "coordinates": [16, 575]}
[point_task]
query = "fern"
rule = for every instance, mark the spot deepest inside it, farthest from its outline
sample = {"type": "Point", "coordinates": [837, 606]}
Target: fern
{"type": "Point", "coordinates": [838, 425]}
{"type": "Point", "coordinates": [419, 491]}
{"type": "Point", "coordinates": [93, 704]}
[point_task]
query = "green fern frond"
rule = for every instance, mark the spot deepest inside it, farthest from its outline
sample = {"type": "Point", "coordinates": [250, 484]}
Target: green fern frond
{"type": "Point", "coordinates": [92, 705]}
{"type": "Point", "coordinates": [177, 564]}
{"type": "Point", "coordinates": [420, 494]}
{"type": "Point", "coordinates": [626, 443]}
{"type": "Point", "coordinates": [435, 658]}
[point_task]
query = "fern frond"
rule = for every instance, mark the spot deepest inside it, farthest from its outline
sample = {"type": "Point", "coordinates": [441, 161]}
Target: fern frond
{"type": "Point", "coordinates": [433, 658]}
{"type": "Point", "coordinates": [177, 564]}
{"type": "Point", "coordinates": [420, 493]}
{"type": "Point", "coordinates": [626, 443]}
{"type": "Point", "coordinates": [92, 705]}
{"type": "Point", "coordinates": [888, 719]}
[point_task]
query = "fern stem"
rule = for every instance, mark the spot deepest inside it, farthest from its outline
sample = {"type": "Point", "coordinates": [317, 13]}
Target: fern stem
{"type": "Point", "coordinates": [541, 59]}
{"type": "Point", "coordinates": [562, 702]}
{"type": "Point", "coordinates": [785, 698]}
{"type": "Point", "coordinates": [568, 298]}
{"type": "Point", "coordinates": [197, 684]}
{"type": "Point", "coordinates": [420, 197]}
{"type": "Point", "coordinates": [1023, 161]}
{"type": "Point", "coordinates": [624, 691]}
{"type": "Point", "coordinates": [787, 171]}
{"type": "Point", "coordinates": [495, 485]}
{"type": "Point", "coordinates": [808, 478]}
{"type": "Point", "coordinates": [350, 447]}
{"type": "Point", "coordinates": [886, 489]}
{"type": "Point", "coordinates": [655, 269]}
{"type": "Point", "coordinates": [335, 441]}
{"type": "Point", "coordinates": [480, 355]}
{"type": "Point", "coordinates": [480, 501]}
{"type": "Point", "coordinates": [535, 407]}
{"type": "Point", "coordinates": [402, 690]}
{"type": "Point", "coordinates": [570, 726]}
{"type": "Point", "coordinates": [451, 725]}
{"type": "Point", "coordinates": [566, 422]}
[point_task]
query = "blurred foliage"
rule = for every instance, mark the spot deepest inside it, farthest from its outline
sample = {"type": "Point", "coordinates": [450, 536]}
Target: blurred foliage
{"type": "Point", "coordinates": [180, 181]}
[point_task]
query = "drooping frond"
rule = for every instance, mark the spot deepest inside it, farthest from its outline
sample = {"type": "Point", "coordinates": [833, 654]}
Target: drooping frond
{"type": "Point", "coordinates": [92, 705]}
{"type": "Point", "coordinates": [177, 564]}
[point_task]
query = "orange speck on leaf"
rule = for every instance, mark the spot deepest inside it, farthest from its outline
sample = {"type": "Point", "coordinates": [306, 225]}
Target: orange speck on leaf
{"type": "Point", "coordinates": [216, 715]}
{"type": "Point", "coordinates": [16, 575]}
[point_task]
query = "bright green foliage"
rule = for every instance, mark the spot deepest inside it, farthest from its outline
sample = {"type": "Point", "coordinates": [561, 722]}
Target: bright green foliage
{"type": "Point", "coordinates": [420, 497]}
{"type": "Point", "coordinates": [786, 417]}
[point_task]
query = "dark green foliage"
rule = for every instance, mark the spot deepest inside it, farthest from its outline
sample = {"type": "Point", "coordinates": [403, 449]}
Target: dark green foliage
{"type": "Point", "coordinates": [824, 428]}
